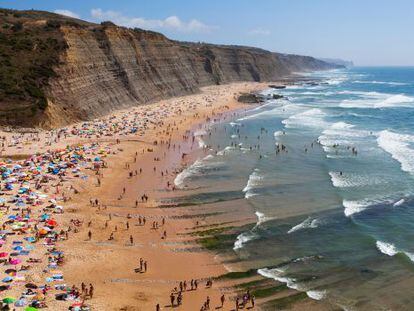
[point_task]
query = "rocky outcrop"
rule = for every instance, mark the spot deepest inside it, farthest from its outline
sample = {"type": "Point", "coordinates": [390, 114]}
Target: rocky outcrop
{"type": "Point", "coordinates": [104, 68]}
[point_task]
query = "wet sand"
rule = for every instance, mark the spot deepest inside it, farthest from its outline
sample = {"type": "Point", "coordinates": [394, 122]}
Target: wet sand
{"type": "Point", "coordinates": [110, 264]}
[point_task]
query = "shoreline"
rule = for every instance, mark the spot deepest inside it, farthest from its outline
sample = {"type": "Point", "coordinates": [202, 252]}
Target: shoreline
{"type": "Point", "coordinates": [91, 261]}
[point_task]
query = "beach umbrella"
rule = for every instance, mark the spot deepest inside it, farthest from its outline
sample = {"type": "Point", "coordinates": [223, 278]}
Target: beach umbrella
{"type": "Point", "coordinates": [10, 271]}
{"type": "Point", "coordinates": [51, 223]}
{"type": "Point", "coordinates": [15, 261]}
{"type": "Point", "coordinates": [3, 254]}
{"type": "Point", "coordinates": [31, 285]}
{"type": "Point", "coordinates": [21, 302]}
{"type": "Point", "coordinates": [8, 300]}
{"type": "Point", "coordinates": [44, 217]}
{"type": "Point", "coordinates": [7, 279]}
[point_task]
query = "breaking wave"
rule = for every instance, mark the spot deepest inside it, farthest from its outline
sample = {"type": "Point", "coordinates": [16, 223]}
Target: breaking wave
{"type": "Point", "coordinates": [399, 146]}
{"type": "Point", "coordinates": [316, 294]}
{"type": "Point", "coordinates": [391, 250]}
{"type": "Point", "coordinates": [310, 118]}
{"type": "Point", "coordinates": [349, 180]}
{"type": "Point", "coordinates": [254, 180]}
{"type": "Point", "coordinates": [379, 100]}
{"type": "Point", "coordinates": [277, 274]}
{"type": "Point", "coordinates": [308, 223]}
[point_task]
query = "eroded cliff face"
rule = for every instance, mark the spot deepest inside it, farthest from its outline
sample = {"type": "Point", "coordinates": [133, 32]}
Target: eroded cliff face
{"type": "Point", "coordinates": [105, 68]}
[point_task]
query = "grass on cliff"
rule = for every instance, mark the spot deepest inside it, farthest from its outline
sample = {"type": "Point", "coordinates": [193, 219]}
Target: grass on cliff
{"type": "Point", "coordinates": [29, 50]}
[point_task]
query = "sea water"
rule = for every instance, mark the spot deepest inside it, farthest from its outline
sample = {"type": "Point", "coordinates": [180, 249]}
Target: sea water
{"type": "Point", "coordinates": [335, 208]}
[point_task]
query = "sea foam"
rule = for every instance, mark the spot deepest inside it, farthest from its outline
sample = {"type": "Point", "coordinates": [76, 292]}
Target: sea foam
{"type": "Point", "coordinates": [391, 250]}
{"type": "Point", "coordinates": [254, 180]}
{"type": "Point", "coordinates": [399, 147]}
{"type": "Point", "coordinates": [378, 100]}
{"type": "Point", "coordinates": [277, 274]}
{"type": "Point", "coordinates": [310, 118]}
{"type": "Point", "coordinates": [308, 223]}
{"type": "Point", "coordinates": [316, 294]}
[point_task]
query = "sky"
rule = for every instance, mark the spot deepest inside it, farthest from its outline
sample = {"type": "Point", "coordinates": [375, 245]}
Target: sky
{"type": "Point", "coordinates": [368, 32]}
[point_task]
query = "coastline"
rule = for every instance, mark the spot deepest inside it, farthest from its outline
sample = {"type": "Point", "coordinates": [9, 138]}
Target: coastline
{"type": "Point", "coordinates": [109, 265]}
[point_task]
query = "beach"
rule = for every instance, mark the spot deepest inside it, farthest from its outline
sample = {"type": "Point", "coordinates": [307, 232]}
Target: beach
{"type": "Point", "coordinates": [130, 168]}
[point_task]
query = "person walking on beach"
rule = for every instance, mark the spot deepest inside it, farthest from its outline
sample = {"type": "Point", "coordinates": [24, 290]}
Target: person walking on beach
{"type": "Point", "coordinates": [222, 299]}
{"type": "Point", "coordinates": [91, 289]}
{"type": "Point", "coordinates": [131, 239]}
{"type": "Point", "coordinates": [89, 235]}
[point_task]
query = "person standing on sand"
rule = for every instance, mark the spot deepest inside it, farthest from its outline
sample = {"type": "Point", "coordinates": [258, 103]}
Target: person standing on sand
{"type": "Point", "coordinates": [91, 289]}
{"type": "Point", "coordinates": [157, 307]}
{"type": "Point", "coordinates": [131, 239]}
{"type": "Point", "coordinates": [222, 299]}
{"type": "Point", "coordinates": [89, 235]}
{"type": "Point", "coordinates": [172, 299]}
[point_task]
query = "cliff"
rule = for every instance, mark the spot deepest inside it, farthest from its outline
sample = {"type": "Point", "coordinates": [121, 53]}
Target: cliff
{"type": "Point", "coordinates": [57, 70]}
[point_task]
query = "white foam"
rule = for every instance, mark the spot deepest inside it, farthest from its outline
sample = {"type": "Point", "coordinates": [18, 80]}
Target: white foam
{"type": "Point", "coordinates": [398, 145]}
{"type": "Point", "coordinates": [283, 108]}
{"type": "Point", "coordinates": [310, 118]}
{"type": "Point", "coordinates": [194, 170]}
{"type": "Point", "coordinates": [391, 250]}
{"type": "Point", "coordinates": [254, 180]}
{"type": "Point", "coordinates": [277, 274]}
{"type": "Point", "coordinates": [379, 101]}
{"type": "Point", "coordinates": [201, 142]}
{"type": "Point", "coordinates": [226, 150]}
{"type": "Point", "coordinates": [352, 180]}
{"type": "Point", "coordinates": [261, 219]}
{"type": "Point", "coordinates": [277, 134]}
{"type": "Point", "coordinates": [380, 82]}
{"type": "Point", "coordinates": [308, 223]}
{"type": "Point", "coordinates": [316, 294]}
{"type": "Point", "coordinates": [387, 248]}
{"type": "Point", "coordinates": [250, 235]}
{"type": "Point", "coordinates": [244, 238]}
{"type": "Point", "coordinates": [200, 133]}
{"type": "Point", "coordinates": [398, 203]}
{"type": "Point", "coordinates": [233, 124]}
{"type": "Point", "coordinates": [354, 207]}
{"type": "Point", "coordinates": [341, 133]}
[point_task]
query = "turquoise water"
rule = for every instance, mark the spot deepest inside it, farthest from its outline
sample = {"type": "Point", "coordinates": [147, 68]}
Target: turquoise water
{"type": "Point", "coordinates": [335, 207]}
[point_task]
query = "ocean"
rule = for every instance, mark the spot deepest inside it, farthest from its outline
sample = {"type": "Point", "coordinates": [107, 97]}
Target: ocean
{"type": "Point", "coordinates": [328, 170]}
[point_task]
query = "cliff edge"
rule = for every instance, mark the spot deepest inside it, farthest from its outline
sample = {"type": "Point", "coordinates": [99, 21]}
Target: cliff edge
{"type": "Point", "coordinates": [56, 70]}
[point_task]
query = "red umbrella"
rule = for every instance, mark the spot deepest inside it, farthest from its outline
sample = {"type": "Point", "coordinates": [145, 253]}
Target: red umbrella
{"type": "Point", "coordinates": [51, 223]}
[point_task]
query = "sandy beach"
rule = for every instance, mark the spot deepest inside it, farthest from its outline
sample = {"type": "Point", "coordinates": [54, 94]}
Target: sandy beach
{"type": "Point", "coordinates": [129, 169]}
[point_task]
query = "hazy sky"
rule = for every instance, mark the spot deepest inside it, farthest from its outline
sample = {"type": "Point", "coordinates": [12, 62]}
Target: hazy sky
{"type": "Point", "coordinates": [369, 32]}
